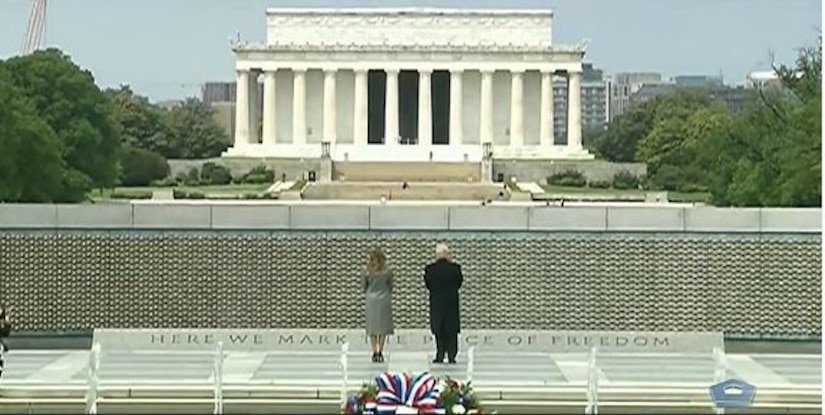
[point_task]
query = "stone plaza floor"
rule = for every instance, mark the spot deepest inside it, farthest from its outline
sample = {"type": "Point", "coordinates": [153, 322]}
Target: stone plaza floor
{"type": "Point", "coordinates": [322, 369]}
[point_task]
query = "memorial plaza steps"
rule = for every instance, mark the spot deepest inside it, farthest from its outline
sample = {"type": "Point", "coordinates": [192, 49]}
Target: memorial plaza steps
{"type": "Point", "coordinates": [131, 382]}
{"type": "Point", "coordinates": [425, 171]}
{"type": "Point", "coordinates": [396, 191]}
{"type": "Point", "coordinates": [126, 375]}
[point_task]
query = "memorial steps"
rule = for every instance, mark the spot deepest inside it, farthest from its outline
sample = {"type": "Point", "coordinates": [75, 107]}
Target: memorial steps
{"type": "Point", "coordinates": [395, 191]}
{"type": "Point", "coordinates": [311, 382]}
{"type": "Point", "coordinates": [426, 171]}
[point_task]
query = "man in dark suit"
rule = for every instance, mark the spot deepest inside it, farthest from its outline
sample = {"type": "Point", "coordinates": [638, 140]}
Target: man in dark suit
{"type": "Point", "coordinates": [5, 328]}
{"type": "Point", "coordinates": [443, 279]}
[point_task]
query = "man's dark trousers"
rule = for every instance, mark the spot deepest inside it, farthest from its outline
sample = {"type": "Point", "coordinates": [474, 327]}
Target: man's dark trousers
{"type": "Point", "coordinates": [446, 343]}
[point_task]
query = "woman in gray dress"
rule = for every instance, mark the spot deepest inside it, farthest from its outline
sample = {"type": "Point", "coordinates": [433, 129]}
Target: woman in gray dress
{"type": "Point", "coordinates": [377, 285]}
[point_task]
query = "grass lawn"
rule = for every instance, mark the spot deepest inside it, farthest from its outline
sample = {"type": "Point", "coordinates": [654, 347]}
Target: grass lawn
{"type": "Point", "coordinates": [230, 189]}
{"type": "Point", "coordinates": [696, 197]}
{"type": "Point", "coordinates": [591, 191]}
{"type": "Point", "coordinates": [677, 197]}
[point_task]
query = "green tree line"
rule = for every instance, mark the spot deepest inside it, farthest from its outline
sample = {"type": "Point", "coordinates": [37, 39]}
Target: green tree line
{"type": "Point", "coordinates": [61, 136]}
{"type": "Point", "coordinates": [769, 155]}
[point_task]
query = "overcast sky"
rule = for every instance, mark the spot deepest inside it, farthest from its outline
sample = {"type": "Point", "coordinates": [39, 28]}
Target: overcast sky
{"type": "Point", "coordinates": [166, 48]}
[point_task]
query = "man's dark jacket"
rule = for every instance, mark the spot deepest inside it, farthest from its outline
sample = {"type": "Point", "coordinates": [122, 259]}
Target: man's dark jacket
{"type": "Point", "coordinates": [443, 279]}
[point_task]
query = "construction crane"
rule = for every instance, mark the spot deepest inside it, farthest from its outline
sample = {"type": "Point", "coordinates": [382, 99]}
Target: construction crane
{"type": "Point", "coordinates": [36, 28]}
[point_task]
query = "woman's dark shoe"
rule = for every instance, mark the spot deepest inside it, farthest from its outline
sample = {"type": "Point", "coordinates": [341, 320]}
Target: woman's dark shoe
{"type": "Point", "coordinates": [380, 357]}
{"type": "Point", "coordinates": [374, 358]}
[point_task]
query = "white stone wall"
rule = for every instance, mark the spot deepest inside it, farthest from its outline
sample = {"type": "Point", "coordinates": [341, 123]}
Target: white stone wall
{"type": "Point", "coordinates": [406, 27]}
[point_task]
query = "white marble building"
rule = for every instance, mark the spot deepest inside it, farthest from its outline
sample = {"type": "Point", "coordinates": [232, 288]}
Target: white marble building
{"type": "Point", "coordinates": [406, 85]}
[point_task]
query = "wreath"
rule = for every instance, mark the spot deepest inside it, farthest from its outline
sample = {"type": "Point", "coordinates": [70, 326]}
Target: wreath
{"type": "Point", "coordinates": [403, 393]}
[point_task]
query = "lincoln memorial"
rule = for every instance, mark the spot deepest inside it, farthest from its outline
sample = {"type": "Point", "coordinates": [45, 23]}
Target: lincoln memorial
{"type": "Point", "coordinates": [406, 85]}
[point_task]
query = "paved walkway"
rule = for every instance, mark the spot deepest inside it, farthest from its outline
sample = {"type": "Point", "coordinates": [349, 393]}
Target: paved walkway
{"type": "Point", "coordinates": [490, 369]}
{"type": "Point", "coordinates": [280, 186]}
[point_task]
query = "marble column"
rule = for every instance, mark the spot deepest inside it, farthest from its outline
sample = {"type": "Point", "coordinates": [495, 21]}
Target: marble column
{"type": "Point", "coordinates": [425, 107]}
{"type": "Point", "coordinates": [360, 108]}
{"type": "Point", "coordinates": [391, 108]}
{"type": "Point", "coordinates": [456, 107]}
{"type": "Point", "coordinates": [546, 116]}
{"type": "Point", "coordinates": [269, 131]}
{"type": "Point", "coordinates": [330, 116]}
{"type": "Point", "coordinates": [242, 109]}
{"type": "Point", "coordinates": [486, 112]}
{"type": "Point", "coordinates": [255, 125]}
{"type": "Point", "coordinates": [517, 109]}
{"type": "Point", "coordinates": [299, 106]}
{"type": "Point", "coordinates": [574, 111]}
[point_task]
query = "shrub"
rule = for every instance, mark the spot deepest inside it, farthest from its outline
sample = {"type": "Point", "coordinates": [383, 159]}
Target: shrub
{"type": "Point", "coordinates": [251, 196]}
{"type": "Point", "coordinates": [215, 174]}
{"type": "Point", "coordinates": [183, 194]}
{"type": "Point", "coordinates": [192, 177]}
{"type": "Point", "coordinates": [167, 182]}
{"type": "Point", "coordinates": [256, 179]}
{"type": "Point", "coordinates": [141, 167]}
{"type": "Point", "coordinates": [131, 194]}
{"type": "Point", "coordinates": [569, 178]}
{"type": "Point", "coordinates": [599, 184]}
{"type": "Point", "coordinates": [625, 180]}
{"type": "Point", "coordinates": [693, 188]}
{"type": "Point", "coordinates": [259, 175]}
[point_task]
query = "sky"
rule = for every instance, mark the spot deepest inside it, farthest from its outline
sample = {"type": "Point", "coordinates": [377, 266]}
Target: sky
{"type": "Point", "coordinates": [166, 49]}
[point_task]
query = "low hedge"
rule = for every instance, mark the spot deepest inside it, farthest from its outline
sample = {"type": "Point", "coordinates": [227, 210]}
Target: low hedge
{"type": "Point", "coordinates": [625, 180]}
{"type": "Point", "coordinates": [569, 178]}
{"type": "Point", "coordinates": [600, 184]}
{"type": "Point", "coordinates": [195, 195]}
{"type": "Point", "coordinates": [131, 194]}
{"type": "Point", "coordinates": [187, 194]}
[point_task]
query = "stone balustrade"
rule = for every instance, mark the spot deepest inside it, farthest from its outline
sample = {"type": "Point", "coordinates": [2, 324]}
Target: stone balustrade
{"type": "Point", "coordinates": [321, 216]}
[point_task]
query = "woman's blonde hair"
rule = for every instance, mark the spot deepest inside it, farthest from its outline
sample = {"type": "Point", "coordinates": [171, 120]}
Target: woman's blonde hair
{"type": "Point", "coordinates": [377, 263]}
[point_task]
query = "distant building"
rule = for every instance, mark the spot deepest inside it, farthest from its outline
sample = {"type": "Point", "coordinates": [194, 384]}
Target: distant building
{"type": "Point", "coordinates": [221, 97]}
{"type": "Point", "coordinates": [595, 102]}
{"type": "Point", "coordinates": [623, 86]}
{"type": "Point", "coordinates": [218, 92]}
{"type": "Point", "coordinates": [734, 98]}
{"type": "Point", "coordinates": [698, 81]}
{"type": "Point", "coordinates": [212, 92]}
{"type": "Point", "coordinates": [763, 79]}
{"type": "Point", "coordinates": [224, 115]}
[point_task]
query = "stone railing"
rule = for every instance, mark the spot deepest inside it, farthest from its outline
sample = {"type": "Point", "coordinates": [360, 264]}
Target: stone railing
{"type": "Point", "coordinates": [414, 217]}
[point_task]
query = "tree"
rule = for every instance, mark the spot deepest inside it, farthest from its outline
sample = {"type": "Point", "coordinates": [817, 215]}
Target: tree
{"type": "Point", "coordinates": [619, 142]}
{"type": "Point", "coordinates": [30, 153]}
{"type": "Point", "coordinates": [141, 167]}
{"type": "Point", "coordinates": [194, 133]}
{"type": "Point", "coordinates": [143, 124]}
{"type": "Point", "coordinates": [773, 156]}
{"type": "Point", "coordinates": [671, 145]}
{"type": "Point", "coordinates": [81, 116]}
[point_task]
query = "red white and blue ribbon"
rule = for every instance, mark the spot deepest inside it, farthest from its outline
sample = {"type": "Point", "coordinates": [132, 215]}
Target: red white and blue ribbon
{"type": "Point", "coordinates": [397, 390]}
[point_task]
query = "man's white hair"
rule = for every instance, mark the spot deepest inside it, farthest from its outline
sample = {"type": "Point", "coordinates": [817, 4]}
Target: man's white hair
{"type": "Point", "coordinates": [442, 251]}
